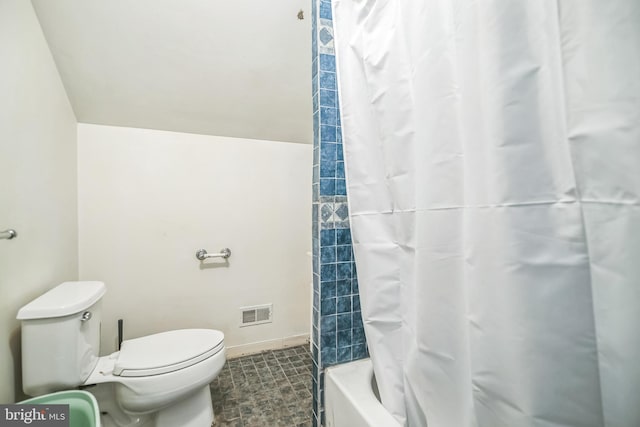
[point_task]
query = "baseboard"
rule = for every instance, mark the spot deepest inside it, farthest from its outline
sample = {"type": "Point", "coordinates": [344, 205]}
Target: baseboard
{"type": "Point", "coordinates": [258, 347]}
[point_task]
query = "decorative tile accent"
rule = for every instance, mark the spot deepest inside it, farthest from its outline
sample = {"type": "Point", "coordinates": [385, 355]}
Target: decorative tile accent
{"type": "Point", "coordinates": [334, 211]}
{"type": "Point", "coordinates": [338, 331]}
{"type": "Point", "coordinates": [341, 211]}
{"type": "Point", "coordinates": [325, 36]}
{"type": "Point", "coordinates": [326, 212]}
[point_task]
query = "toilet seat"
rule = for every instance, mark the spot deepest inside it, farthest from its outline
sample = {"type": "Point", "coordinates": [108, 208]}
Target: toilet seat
{"type": "Point", "coordinates": [166, 352]}
{"type": "Point", "coordinates": [183, 361]}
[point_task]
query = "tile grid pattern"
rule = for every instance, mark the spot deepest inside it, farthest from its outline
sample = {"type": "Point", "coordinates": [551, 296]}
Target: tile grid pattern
{"type": "Point", "coordinates": [338, 333]}
{"type": "Point", "coordinates": [268, 389]}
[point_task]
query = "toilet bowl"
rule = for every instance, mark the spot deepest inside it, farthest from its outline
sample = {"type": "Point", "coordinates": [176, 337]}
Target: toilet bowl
{"type": "Point", "coordinates": [151, 373]}
{"type": "Point", "coordinates": [159, 380]}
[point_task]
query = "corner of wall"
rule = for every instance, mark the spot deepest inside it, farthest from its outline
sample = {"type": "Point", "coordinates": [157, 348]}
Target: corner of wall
{"type": "Point", "coordinates": [39, 200]}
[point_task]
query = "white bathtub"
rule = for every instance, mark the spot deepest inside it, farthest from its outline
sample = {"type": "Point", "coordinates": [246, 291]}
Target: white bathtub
{"type": "Point", "coordinates": [351, 397]}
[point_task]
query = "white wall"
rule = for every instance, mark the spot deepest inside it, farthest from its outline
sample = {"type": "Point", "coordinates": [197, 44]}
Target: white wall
{"type": "Point", "coordinates": [149, 199]}
{"type": "Point", "coordinates": [37, 179]}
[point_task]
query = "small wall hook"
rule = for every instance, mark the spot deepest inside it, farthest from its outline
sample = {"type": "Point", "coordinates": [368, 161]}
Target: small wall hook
{"type": "Point", "coordinates": [8, 234]}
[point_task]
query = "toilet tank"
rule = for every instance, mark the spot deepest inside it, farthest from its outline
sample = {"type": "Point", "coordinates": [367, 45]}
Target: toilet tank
{"type": "Point", "coordinates": [61, 337]}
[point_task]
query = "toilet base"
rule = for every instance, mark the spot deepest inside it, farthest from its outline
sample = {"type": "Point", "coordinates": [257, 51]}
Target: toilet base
{"type": "Point", "coordinates": [194, 411]}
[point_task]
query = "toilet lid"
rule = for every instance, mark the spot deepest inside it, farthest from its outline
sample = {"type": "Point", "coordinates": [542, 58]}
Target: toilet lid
{"type": "Point", "coordinates": [167, 352]}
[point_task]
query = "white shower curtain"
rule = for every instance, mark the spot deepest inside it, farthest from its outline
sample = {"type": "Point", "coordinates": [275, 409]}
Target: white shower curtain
{"type": "Point", "coordinates": [493, 166]}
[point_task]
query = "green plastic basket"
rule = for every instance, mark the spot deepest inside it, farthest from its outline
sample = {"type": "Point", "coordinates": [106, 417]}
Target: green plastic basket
{"type": "Point", "coordinates": [83, 408]}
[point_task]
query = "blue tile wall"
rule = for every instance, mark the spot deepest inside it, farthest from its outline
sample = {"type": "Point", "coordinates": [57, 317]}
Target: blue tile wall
{"type": "Point", "coordinates": [338, 332]}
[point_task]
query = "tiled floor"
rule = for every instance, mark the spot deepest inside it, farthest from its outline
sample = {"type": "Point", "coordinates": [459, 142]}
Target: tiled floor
{"type": "Point", "coordinates": [265, 390]}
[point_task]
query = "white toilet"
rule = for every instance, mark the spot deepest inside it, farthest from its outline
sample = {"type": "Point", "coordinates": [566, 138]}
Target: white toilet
{"type": "Point", "coordinates": [160, 380]}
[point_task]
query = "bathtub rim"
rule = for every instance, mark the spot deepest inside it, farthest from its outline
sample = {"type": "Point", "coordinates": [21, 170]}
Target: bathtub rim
{"type": "Point", "coordinates": [353, 382]}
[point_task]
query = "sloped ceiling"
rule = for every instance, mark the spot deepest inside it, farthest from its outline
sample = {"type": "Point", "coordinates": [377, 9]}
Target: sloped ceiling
{"type": "Point", "coordinates": [239, 68]}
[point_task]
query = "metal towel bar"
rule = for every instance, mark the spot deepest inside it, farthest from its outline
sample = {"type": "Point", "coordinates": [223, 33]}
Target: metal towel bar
{"type": "Point", "coordinates": [202, 254]}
